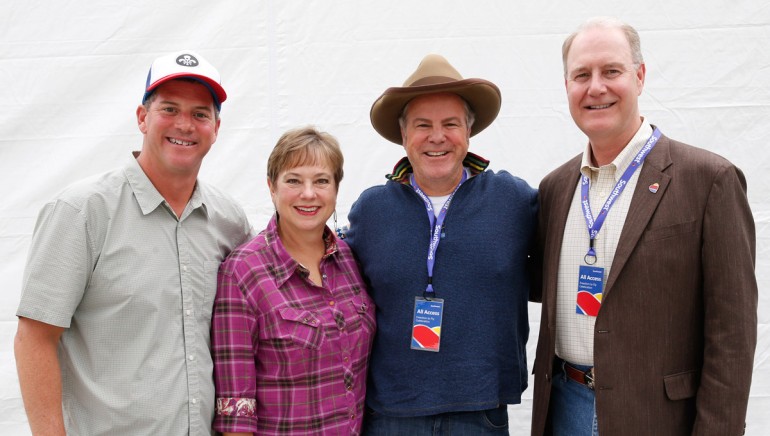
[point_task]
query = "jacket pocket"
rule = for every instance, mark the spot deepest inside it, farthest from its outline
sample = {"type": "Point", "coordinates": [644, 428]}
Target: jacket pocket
{"type": "Point", "coordinates": [669, 231]}
{"type": "Point", "coordinates": [682, 385]}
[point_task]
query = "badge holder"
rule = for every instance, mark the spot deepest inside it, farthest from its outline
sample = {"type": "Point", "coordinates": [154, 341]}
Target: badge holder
{"type": "Point", "coordinates": [426, 324]}
{"type": "Point", "coordinates": [590, 290]}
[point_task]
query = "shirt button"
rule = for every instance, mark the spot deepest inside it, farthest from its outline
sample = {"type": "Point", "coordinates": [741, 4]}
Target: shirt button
{"type": "Point", "coordinates": [184, 268]}
{"type": "Point", "coordinates": [324, 276]}
{"type": "Point", "coordinates": [346, 358]}
{"type": "Point", "coordinates": [188, 312]}
{"type": "Point", "coordinates": [352, 416]}
{"type": "Point", "coordinates": [194, 401]}
{"type": "Point", "coordinates": [331, 303]}
{"type": "Point", "coordinates": [191, 357]}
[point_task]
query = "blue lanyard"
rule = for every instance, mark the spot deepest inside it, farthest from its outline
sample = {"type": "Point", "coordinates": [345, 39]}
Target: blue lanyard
{"type": "Point", "coordinates": [436, 224]}
{"type": "Point", "coordinates": [595, 225]}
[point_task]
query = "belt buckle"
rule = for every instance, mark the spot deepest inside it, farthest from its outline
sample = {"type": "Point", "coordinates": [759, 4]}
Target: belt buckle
{"type": "Point", "coordinates": [588, 378]}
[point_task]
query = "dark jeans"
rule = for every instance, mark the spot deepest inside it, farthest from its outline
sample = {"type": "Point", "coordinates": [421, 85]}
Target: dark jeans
{"type": "Point", "coordinates": [490, 422]}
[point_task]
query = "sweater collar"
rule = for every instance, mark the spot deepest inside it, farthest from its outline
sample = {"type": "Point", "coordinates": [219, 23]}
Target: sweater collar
{"type": "Point", "coordinates": [403, 168]}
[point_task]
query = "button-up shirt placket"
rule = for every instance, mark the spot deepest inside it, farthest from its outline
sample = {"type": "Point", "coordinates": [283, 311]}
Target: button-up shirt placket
{"type": "Point", "coordinates": [189, 324]}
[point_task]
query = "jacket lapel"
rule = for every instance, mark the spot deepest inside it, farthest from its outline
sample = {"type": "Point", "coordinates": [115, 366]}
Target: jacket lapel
{"type": "Point", "coordinates": [643, 205]}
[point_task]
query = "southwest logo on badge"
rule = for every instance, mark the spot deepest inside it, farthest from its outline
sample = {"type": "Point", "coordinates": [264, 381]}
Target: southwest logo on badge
{"type": "Point", "coordinates": [590, 287]}
{"type": "Point", "coordinates": [426, 327]}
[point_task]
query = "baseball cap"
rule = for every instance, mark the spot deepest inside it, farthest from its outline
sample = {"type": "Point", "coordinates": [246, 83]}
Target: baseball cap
{"type": "Point", "coordinates": [185, 64]}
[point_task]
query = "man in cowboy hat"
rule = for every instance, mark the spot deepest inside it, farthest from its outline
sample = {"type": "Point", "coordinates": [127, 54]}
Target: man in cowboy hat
{"type": "Point", "coordinates": [114, 318]}
{"type": "Point", "coordinates": [444, 246]}
{"type": "Point", "coordinates": [649, 303]}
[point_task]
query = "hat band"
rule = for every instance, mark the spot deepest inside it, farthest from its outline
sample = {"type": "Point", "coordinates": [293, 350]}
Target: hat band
{"type": "Point", "coordinates": [433, 80]}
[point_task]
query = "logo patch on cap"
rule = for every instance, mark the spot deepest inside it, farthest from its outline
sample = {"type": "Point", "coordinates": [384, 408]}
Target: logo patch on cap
{"type": "Point", "coordinates": [187, 60]}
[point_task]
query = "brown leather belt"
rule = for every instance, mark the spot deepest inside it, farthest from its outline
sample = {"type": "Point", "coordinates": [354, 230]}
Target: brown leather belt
{"type": "Point", "coordinates": [585, 378]}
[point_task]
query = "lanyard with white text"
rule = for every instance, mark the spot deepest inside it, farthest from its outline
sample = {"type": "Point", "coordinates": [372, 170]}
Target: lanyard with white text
{"type": "Point", "coordinates": [595, 226]}
{"type": "Point", "coordinates": [436, 223]}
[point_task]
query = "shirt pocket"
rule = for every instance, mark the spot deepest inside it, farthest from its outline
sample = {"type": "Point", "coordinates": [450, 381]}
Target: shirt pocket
{"type": "Point", "coordinates": [355, 313]}
{"type": "Point", "coordinates": [210, 269]}
{"type": "Point", "coordinates": [301, 327]}
{"type": "Point", "coordinates": [364, 308]}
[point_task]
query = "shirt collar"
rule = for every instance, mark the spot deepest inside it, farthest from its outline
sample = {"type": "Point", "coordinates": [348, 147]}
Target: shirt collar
{"type": "Point", "coordinates": [285, 265]}
{"type": "Point", "coordinates": [403, 168]}
{"type": "Point", "coordinates": [147, 196]}
{"type": "Point", "coordinates": [624, 158]}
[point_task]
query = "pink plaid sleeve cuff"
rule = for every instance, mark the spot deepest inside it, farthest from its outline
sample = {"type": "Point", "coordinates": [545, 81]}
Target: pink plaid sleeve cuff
{"type": "Point", "coordinates": [241, 407]}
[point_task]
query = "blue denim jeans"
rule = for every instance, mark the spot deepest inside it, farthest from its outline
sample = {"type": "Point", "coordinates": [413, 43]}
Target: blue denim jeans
{"type": "Point", "coordinates": [573, 405]}
{"type": "Point", "coordinates": [490, 422]}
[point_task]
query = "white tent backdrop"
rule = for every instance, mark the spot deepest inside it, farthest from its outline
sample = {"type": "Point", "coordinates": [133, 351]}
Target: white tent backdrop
{"type": "Point", "coordinates": [72, 74]}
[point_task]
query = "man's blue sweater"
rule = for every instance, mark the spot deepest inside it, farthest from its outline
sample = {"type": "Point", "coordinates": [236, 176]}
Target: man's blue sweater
{"type": "Point", "coordinates": [481, 272]}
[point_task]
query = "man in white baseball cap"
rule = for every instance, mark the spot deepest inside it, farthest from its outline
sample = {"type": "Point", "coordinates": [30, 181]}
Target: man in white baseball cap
{"type": "Point", "coordinates": [114, 318]}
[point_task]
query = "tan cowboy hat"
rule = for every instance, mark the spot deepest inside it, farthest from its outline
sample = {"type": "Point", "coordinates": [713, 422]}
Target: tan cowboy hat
{"type": "Point", "coordinates": [433, 75]}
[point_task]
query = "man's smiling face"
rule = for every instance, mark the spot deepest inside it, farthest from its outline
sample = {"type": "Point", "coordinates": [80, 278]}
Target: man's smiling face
{"type": "Point", "coordinates": [603, 85]}
{"type": "Point", "coordinates": [435, 136]}
{"type": "Point", "coordinates": [179, 127]}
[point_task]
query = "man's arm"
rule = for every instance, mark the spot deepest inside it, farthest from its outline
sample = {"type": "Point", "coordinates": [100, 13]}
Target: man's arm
{"type": "Point", "coordinates": [39, 375]}
{"type": "Point", "coordinates": [730, 305]}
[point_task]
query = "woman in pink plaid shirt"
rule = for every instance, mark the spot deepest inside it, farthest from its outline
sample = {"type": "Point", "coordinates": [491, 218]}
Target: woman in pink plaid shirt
{"type": "Point", "coordinates": [293, 325]}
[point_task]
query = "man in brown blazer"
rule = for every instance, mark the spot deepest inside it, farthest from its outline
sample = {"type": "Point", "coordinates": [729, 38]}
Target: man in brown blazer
{"type": "Point", "coordinates": [649, 296]}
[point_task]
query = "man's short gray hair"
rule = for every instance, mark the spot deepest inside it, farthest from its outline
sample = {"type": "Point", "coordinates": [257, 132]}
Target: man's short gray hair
{"type": "Point", "coordinates": [632, 36]}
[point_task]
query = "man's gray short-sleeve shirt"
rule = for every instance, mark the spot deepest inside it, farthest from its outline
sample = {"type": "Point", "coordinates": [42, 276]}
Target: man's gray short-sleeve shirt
{"type": "Point", "coordinates": [134, 287]}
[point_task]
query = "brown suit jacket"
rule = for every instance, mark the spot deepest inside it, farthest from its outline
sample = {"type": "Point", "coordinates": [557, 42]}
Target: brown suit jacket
{"type": "Point", "coordinates": [674, 339]}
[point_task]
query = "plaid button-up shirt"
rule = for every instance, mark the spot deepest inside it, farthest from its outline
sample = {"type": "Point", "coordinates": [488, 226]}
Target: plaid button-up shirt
{"type": "Point", "coordinates": [290, 357]}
